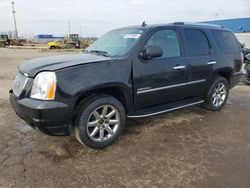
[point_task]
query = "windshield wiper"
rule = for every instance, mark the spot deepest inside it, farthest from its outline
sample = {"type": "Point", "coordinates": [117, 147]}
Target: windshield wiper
{"type": "Point", "coordinates": [100, 52]}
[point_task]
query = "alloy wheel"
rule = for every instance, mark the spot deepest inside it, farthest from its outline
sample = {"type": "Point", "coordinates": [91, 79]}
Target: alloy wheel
{"type": "Point", "coordinates": [219, 94]}
{"type": "Point", "coordinates": [103, 123]}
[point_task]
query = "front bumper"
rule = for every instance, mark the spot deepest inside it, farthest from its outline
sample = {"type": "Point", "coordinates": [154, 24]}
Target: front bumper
{"type": "Point", "coordinates": [50, 117]}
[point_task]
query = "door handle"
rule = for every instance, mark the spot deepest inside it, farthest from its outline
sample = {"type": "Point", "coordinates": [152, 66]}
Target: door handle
{"type": "Point", "coordinates": [178, 67]}
{"type": "Point", "coordinates": [211, 62]}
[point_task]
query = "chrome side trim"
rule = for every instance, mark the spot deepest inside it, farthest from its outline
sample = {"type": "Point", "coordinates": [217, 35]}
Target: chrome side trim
{"type": "Point", "coordinates": [211, 62]}
{"type": "Point", "coordinates": [25, 74]}
{"type": "Point", "coordinates": [168, 110]}
{"type": "Point", "coordinates": [179, 67]}
{"type": "Point", "coordinates": [171, 86]}
{"type": "Point", "coordinates": [160, 88]}
{"type": "Point", "coordinates": [197, 81]}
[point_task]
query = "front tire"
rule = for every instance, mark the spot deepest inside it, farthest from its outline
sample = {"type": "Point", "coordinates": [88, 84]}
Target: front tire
{"type": "Point", "coordinates": [217, 94]}
{"type": "Point", "coordinates": [100, 121]}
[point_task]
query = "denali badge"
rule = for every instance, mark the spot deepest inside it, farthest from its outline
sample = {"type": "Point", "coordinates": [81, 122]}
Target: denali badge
{"type": "Point", "coordinates": [144, 88]}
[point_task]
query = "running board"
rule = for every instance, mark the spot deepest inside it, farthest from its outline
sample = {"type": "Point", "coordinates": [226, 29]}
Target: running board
{"type": "Point", "coordinates": [167, 110]}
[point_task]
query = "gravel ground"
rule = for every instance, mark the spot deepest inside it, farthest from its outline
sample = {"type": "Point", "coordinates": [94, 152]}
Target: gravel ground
{"type": "Point", "coordinates": [186, 148]}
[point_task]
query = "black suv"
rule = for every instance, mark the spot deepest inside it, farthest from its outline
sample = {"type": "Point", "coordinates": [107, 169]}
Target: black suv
{"type": "Point", "coordinates": [128, 73]}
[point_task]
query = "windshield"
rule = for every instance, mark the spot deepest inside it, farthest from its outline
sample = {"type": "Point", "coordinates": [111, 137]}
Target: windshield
{"type": "Point", "coordinates": [117, 42]}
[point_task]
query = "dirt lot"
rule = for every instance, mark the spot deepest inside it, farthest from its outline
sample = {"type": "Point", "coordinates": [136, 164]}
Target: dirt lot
{"type": "Point", "coordinates": [187, 148]}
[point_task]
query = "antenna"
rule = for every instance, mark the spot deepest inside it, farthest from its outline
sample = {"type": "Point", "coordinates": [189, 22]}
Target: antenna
{"type": "Point", "coordinates": [143, 24]}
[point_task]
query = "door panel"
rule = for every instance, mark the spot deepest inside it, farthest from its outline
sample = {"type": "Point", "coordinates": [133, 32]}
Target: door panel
{"type": "Point", "coordinates": [200, 60]}
{"type": "Point", "coordinates": [163, 79]}
{"type": "Point", "coordinates": [199, 71]}
{"type": "Point", "coordinates": [158, 82]}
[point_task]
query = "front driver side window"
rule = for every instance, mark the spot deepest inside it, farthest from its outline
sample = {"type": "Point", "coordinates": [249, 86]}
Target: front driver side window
{"type": "Point", "coordinates": [167, 40]}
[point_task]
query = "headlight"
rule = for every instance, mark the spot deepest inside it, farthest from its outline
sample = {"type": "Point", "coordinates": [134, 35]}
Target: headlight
{"type": "Point", "coordinates": [44, 86]}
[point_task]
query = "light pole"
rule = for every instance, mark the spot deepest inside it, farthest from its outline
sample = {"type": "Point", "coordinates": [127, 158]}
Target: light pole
{"type": "Point", "coordinates": [13, 11]}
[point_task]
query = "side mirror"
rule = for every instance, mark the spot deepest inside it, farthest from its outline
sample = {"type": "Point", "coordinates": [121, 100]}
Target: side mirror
{"type": "Point", "coordinates": [248, 57]}
{"type": "Point", "coordinates": [242, 45]}
{"type": "Point", "coordinates": [151, 52]}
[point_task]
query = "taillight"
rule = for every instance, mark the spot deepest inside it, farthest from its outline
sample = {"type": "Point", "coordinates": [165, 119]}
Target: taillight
{"type": "Point", "coordinates": [242, 60]}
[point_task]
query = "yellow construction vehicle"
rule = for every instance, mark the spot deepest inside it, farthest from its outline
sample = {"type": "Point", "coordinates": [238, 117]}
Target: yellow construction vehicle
{"type": "Point", "coordinates": [72, 41]}
{"type": "Point", "coordinates": [55, 44]}
{"type": "Point", "coordinates": [4, 40]}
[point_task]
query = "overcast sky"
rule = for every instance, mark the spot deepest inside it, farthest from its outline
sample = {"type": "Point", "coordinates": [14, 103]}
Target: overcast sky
{"type": "Point", "coordinates": [95, 17]}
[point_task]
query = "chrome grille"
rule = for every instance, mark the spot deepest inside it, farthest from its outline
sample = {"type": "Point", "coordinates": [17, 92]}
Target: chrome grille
{"type": "Point", "coordinates": [19, 84]}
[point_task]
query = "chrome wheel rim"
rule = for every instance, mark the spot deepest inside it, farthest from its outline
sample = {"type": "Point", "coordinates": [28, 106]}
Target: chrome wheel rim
{"type": "Point", "coordinates": [103, 123]}
{"type": "Point", "coordinates": [219, 94]}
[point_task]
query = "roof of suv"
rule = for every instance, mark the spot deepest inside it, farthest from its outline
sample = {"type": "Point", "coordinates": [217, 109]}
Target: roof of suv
{"type": "Point", "coordinates": [181, 24]}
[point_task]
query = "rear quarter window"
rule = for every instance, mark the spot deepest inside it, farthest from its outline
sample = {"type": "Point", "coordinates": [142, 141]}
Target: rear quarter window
{"type": "Point", "coordinates": [226, 41]}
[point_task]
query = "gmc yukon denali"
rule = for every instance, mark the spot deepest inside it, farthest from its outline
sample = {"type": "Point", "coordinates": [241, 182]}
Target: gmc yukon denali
{"type": "Point", "coordinates": [131, 72]}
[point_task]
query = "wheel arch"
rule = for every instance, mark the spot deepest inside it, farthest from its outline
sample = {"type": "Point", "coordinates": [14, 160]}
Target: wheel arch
{"type": "Point", "coordinates": [225, 73]}
{"type": "Point", "coordinates": [120, 91]}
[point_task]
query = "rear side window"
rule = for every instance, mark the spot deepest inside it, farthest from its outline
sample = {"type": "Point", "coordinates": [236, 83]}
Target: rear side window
{"type": "Point", "coordinates": [197, 43]}
{"type": "Point", "coordinates": [226, 41]}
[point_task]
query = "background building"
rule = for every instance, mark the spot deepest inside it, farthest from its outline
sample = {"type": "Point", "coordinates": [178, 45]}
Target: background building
{"type": "Point", "coordinates": [240, 26]}
{"type": "Point", "coordinates": [45, 38]}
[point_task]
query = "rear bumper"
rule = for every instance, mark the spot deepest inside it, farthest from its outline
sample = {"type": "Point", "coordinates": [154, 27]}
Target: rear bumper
{"type": "Point", "coordinates": [50, 117]}
{"type": "Point", "coordinates": [235, 79]}
{"type": "Point", "coordinates": [247, 78]}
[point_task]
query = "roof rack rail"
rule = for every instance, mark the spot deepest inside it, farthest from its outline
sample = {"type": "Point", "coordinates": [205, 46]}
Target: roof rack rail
{"type": "Point", "coordinates": [198, 24]}
{"type": "Point", "coordinates": [179, 23]}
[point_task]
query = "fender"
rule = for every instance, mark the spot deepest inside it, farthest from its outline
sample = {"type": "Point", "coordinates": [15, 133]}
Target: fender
{"type": "Point", "coordinates": [121, 91]}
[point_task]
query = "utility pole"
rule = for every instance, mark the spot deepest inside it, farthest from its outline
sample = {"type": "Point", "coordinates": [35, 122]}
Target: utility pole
{"type": "Point", "coordinates": [69, 27]}
{"type": "Point", "coordinates": [80, 30]}
{"type": "Point", "coordinates": [216, 16]}
{"type": "Point", "coordinates": [13, 11]}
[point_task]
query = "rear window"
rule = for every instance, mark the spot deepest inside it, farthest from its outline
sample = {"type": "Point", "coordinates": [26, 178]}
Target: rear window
{"type": "Point", "coordinates": [226, 41]}
{"type": "Point", "coordinates": [197, 43]}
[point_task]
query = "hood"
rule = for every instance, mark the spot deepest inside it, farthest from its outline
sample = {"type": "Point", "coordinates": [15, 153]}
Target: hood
{"type": "Point", "coordinates": [33, 66]}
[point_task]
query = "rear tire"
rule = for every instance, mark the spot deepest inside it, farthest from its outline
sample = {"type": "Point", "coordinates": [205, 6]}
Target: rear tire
{"type": "Point", "coordinates": [217, 94]}
{"type": "Point", "coordinates": [70, 46]}
{"type": "Point", "coordinates": [2, 45]}
{"type": "Point", "coordinates": [100, 121]}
